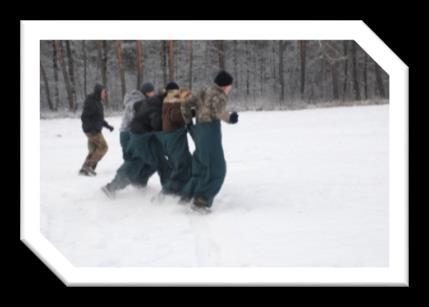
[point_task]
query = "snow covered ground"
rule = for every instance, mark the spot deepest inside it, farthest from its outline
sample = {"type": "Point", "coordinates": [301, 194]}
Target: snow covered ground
{"type": "Point", "coordinates": [303, 188]}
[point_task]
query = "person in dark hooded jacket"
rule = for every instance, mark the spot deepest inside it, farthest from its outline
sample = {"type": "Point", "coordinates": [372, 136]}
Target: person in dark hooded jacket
{"type": "Point", "coordinates": [92, 123]}
{"type": "Point", "coordinates": [144, 151]}
{"type": "Point", "coordinates": [148, 115]}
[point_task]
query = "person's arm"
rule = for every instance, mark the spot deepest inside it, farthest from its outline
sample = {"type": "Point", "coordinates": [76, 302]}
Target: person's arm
{"type": "Point", "coordinates": [219, 107]}
{"type": "Point", "coordinates": [186, 108]}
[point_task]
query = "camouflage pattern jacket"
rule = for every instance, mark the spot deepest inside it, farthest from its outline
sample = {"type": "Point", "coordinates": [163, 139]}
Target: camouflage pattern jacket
{"type": "Point", "coordinates": [209, 105]}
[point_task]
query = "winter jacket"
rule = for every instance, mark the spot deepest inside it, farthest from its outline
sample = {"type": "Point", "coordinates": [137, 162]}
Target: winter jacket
{"type": "Point", "coordinates": [149, 116]}
{"type": "Point", "coordinates": [138, 104]}
{"type": "Point", "coordinates": [129, 100]}
{"type": "Point", "coordinates": [172, 118]}
{"type": "Point", "coordinates": [93, 113]}
{"type": "Point", "coordinates": [209, 105]}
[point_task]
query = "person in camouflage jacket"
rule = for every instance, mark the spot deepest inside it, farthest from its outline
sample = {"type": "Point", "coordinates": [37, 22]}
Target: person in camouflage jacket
{"type": "Point", "coordinates": [208, 162]}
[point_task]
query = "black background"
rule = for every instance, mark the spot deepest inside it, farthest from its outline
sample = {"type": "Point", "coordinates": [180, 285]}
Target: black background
{"type": "Point", "coordinates": [401, 27]}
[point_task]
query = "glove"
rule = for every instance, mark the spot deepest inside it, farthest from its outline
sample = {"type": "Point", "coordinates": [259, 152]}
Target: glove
{"type": "Point", "coordinates": [233, 118]}
{"type": "Point", "coordinates": [193, 112]}
{"type": "Point", "coordinates": [110, 128]}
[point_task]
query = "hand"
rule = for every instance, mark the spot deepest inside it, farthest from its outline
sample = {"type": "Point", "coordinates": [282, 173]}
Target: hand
{"type": "Point", "coordinates": [193, 112]}
{"type": "Point", "coordinates": [110, 128]}
{"type": "Point", "coordinates": [233, 118]}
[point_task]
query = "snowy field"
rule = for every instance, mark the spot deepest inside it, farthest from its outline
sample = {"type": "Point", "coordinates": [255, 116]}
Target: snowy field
{"type": "Point", "coordinates": [303, 188]}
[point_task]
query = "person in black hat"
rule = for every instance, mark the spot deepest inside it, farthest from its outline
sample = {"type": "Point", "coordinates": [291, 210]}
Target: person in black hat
{"type": "Point", "coordinates": [147, 90]}
{"type": "Point", "coordinates": [92, 123]}
{"type": "Point", "coordinates": [171, 86]}
{"type": "Point", "coordinates": [208, 162]}
{"type": "Point", "coordinates": [143, 151]}
{"type": "Point", "coordinates": [132, 102]}
{"type": "Point", "coordinates": [174, 140]}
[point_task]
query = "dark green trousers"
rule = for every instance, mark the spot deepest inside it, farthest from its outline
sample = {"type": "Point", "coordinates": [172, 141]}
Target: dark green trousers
{"type": "Point", "coordinates": [208, 162]}
{"type": "Point", "coordinates": [144, 156]}
{"type": "Point", "coordinates": [175, 146]}
{"type": "Point", "coordinates": [124, 138]}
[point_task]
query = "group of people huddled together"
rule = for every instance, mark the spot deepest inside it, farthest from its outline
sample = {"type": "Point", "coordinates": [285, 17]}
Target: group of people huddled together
{"type": "Point", "coordinates": [153, 137]}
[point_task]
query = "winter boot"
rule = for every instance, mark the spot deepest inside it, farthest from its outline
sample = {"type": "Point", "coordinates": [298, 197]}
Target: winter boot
{"type": "Point", "coordinates": [185, 199]}
{"type": "Point", "coordinates": [200, 205]}
{"type": "Point", "coordinates": [84, 172]}
{"type": "Point", "coordinates": [91, 171]}
{"type": "Point", "coordinates": [109, 191]}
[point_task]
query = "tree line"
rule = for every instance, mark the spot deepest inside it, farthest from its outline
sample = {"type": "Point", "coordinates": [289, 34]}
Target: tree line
{"type": "Point", "coordinates": [276, 73]}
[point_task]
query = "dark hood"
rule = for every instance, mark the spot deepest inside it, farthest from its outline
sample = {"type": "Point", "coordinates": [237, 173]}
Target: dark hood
{"type": "Point", "coordinates": [97, 91]}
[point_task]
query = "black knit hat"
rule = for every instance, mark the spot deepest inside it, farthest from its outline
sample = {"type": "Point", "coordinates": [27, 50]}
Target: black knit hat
{"type": "Point", "coordinates": [223, 78]}
{"type": "Point", "coordinates": [172, 86]}
{"type": "Point", "coordinates": [147, 87]}
{"type": "Point", "coordinates": [98, 88]}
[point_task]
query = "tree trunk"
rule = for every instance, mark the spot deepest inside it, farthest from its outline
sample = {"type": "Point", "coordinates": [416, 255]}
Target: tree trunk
{"type": "Point", "coordinates": [191, 59]}
{"type": "Point", "coordinates": [164, 61]}
{"type": "Point", "coordinates": [55, 66]}
{"type": "Point", "coordinates": [118, 45]}
{"type": "Point", "coordinates": [334, 72]}
{"type": "Point", "coordinates": [281, 76]}
{"type": "Point", "coordinates": [322, 79]}
{"type": "Point", "coordinates": [104, 63]}
{"type": "Point", "coordinates": [45, 81]}
{"type": "Point", "coordinates": [235, 64]}
{"type": "Point", "coordinates": [346, 65]}
{"type": "Point", "coordinates": [102, 59]}
{"type": "Point", "coordinates": [139, 63]}
{"type": "Point", "coordinates": [171, 72]}
{"type": "Point", "coordinates": [355, 73]}
{"type": "Point", "coordinates": [379, 81]}
{"type": "Point", "coordinates": [60, 50]}
{"type": "Point", "coordinates": [85, 91]}
{"type": "Point", "coordinates": [261, 73]}
{"type": "Point", "coordinates": [254, 70]}
{"type": "Point", "coordinates": [302, 52]}
{"type": "Point", "coordinates": [247, 69]}
{"type": "Point", "coordinates": [275, 66]}
{"type": "Point", "coordinates": [365, 76]}
{"type": "Point", "coordinates": [221, 54]}
{"type": "Point", "coordinates": [71, 72]}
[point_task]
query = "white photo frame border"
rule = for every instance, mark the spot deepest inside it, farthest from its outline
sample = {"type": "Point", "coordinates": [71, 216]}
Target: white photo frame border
{"type": "Point", "coordinates": [32, 32]}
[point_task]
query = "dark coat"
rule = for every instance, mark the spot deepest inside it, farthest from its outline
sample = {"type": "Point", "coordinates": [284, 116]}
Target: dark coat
{"type": "Point", "coordinates": [148, 117]}
{"type": "Point", "coordinates": [93, 113]}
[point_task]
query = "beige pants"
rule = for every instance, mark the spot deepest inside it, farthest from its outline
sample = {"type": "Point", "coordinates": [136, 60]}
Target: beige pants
{"type": "Point", "coordinates": [97, 148]}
